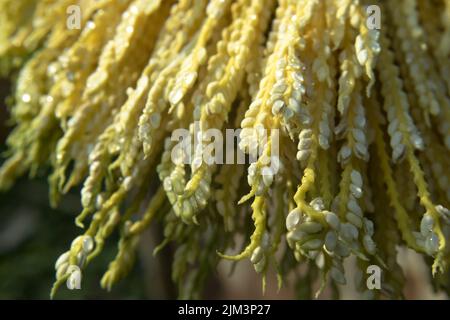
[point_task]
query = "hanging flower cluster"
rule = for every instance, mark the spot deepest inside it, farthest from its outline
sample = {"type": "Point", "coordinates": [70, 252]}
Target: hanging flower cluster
{"type": "Point", "coordinates": [363, 116]}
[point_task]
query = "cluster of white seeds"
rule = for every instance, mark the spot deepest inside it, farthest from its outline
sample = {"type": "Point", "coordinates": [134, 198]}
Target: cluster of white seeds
{"type": "Point", "coordinates": [427, 237]}
{"type": "Point", "coordinates": [285, 101]}
{"type": "Point", "coordinates": [316, 241]}
{"type": "Point", "coordinates": [396, 129]}
{"type": "Point", "coordinates": [63, 266]}
{"type": "Point", "coordinates": [304, 146]}
{"type": "Point", "coordinates": [358, 132]}
{"type": "Point", "coordinates": [261, 174]}
{"type": "Point", "coordinates": [260, 254]}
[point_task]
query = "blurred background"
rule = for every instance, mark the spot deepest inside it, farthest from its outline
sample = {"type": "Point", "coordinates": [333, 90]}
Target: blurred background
{"type": "Point", "coordinates": [33, 236]}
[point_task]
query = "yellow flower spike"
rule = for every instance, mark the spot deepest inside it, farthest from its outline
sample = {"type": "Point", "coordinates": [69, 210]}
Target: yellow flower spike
{"type": "Point", "coordinates": [424, 197]}
{"type": "Point", "coordinates": [230, 176]}
{"type": "Point", "coordinates": [403, 220]}
{"type": "Point", "coordinates": [428, 13]}
{"type": "Point", "coordinates": [188, 73]}
{"type": "Point", "coordinates": [122, 264]}
{"type": "Point", "coordinates": [407, 20]}
{"type": "Point", "coordinates": [114, 55]}
{"type": "Point", "coordinates": [124, 260]}
{"type": "Point", "coordinates": [157, 201]}
{"type": "Point", "coordinates": [367, 47]}
{"type": "Point", "coordinates": [324, 177]}
{"type": "Point", "coordinates": [259, 219]}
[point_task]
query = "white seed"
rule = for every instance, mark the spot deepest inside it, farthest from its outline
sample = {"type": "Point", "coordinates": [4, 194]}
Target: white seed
{"type": "Point", "coordinates": [267, 175]}
{"type": "Point", "coordinates": [317, 204]}
{"type": "Point", "coordinates": [265, 241]}
{"type": "Point", "coordinates": [296, 235]}
{"type": "Point", "coordinates": [127, 183]}
{"type": "Point", "coordinates": [75, 241]}
{"type": "Point", "coordinates": [303, 155]}
{"type": "Point", "coordinates": [176, 96]}
{"type": "Point", "coordinates": [359, 135]}
{"type": "Point", "coordinates": [332, 220]}
{"type": "Point", "coordinates": [362, 56]}
{"type": "Point", "coordinates": [417, 141]}
{"type": "Point", "coordinates": [247, 122]}
{"type": "Point", "coordinates": [288, 113]}
{"type": "Point", "coordinates": [356, 191]}
{"type": "Point", "coordinates": [62, 259]}
{"type": "Point", "coordinates": [324, 127]}
{"type": "Point", "coordinates": [369, 245]}
{"type": "Point", "coordinates": [354, 207]}
{"type": "Point", "coordinates": [81, 258]}
{"type": "Point", "coordinates": [298, 76]}
{"type": "Point", "coordinates": [312, 244]}
{"type": "Point", "coordinates": [310, 227]}
{"type": "Point", "coordinates": [74, 280]}
{"type": "Point", "coordinates": [189, 77]}
{"type": "Point", "coordinates": [187, 211]}
{"type": "Point", "coordinates": [293, 219]}
{"type": "Point", "coordinates": [306, 133]}
{"type": "Point", "coordinates": [298, 92]}
{"type": "Point", "coordinates": [88, 244]}
{"type": "Point", "coordinates": [280, 88]}
{"type": "Point", "coordinates": [62, 270]}
{"type": "Point", "coordinates": [324, 142]}
{"type": "Point", "coordinates": [330, 241]}
{"type": "Point", "coordinates": [261, 265]}
{"type": "Point", "coordinates": [257, 255]}
{"type": "Point", "coordinates": [277, 106]}
{"type": "Point", "coordinates": [426, 225]}
{"type": "Point", "coordinates": [361, 151]}
{"type": "Point", "coordinates": [354, 219]}
{"type": "Point", "coordinates": [344, 154]}
{"type": "Point", "coordinates": [444, 212]}
{"type": "Point", "coordinates": [167, 183]}
{"type": "Point", "coordinates": [356, 178]}
{"type": "Point", "coordinates": [304, 144]}
{"type": "Point", "coordinates": [320, 260]}
{"type": "Point", "coordinates": [294, 105]}
{"type": "Point", "coordinates": [398, 152]}
{"type": "Point", "coordinates": [396, 139]}
{"type": "Point", "coordinates": [349, 231]}
{"type": "Point", "coordinates": [368, 227]}
{"type": "Point", "coordinates": [393, 126]}
{"type": "Point", "coordinates": [255, 104]}
{"type": "Point", "coordinates": [360, 121]}
{"type": "Point", "coordinates": [99, 201]}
